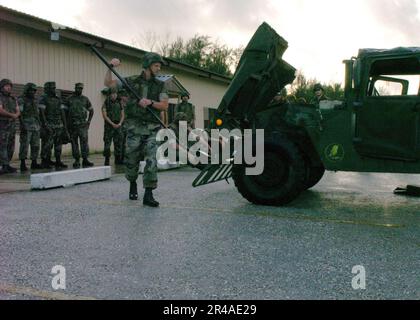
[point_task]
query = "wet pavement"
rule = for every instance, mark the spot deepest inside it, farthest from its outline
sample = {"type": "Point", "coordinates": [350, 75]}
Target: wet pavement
{"type": "Point", "coordinates": [210, 243]}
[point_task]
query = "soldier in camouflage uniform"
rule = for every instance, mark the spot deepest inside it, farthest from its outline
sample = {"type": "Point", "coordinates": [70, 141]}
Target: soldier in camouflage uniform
{"type": "Point", "coordinates": [78, 107]}
{"type": "Point", "coordinates": [319, 95]}
{"type": "Point", "coordinates": [113, 114]}
{"type": "Point", "coordinates": [187, 108]}
{"type": "Point", "coordinates": [53, 126]}
{"type": "Point", "coordinates": [123, 97]}
{"type": "Point", "coordinates": [30, 126]}
{"type": "Point", "coordinates": [142, 127]}
{"type": "Point", "coordinates": [9, 112]}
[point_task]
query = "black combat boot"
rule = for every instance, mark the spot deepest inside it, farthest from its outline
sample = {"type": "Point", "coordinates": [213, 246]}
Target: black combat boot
{"type": "Point", "coordinates": [35, 165]}
{"type": "Point", "coordinates": [23, 167]}
{"type": "Point", "coordinates": [76, 164]}
{"type": "Point", "coordinates": [148, 199]}
{"type": "Point", "coordinates": [59, 165]}
{"type": "Point", "coordinates": [45, 164]}
{"type": "Point", "coordinates": [51, 163]}
{"type": "Point", "coordinates": [133, 191]}
{"type": "Point", "coordinates": [86, 163]}
{"type": "Point", "coordinates": [106, 161]}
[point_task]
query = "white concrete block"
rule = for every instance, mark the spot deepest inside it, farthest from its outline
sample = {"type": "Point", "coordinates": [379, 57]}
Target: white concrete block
{"type": "Point", "coordinates": [50, 180]}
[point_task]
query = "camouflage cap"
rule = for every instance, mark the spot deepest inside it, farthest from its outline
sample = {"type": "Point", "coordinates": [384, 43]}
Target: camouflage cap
{"type": "Point", "coordinates": [151, 58]}
{"type": "Point", "coordinates": [113, 90]}
{"type": "Point", "coordinates": [29, 87]}
{"type": "Point", "coordinates": [79, 85]}
{"type": "Point", "coordinates": [318, 87]}
{"type": "Point", "coordinates": [5, 82]}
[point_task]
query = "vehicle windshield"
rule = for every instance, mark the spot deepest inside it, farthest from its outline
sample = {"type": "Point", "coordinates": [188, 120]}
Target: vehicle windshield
{"type": "Point", "coordinates": [394, 77]}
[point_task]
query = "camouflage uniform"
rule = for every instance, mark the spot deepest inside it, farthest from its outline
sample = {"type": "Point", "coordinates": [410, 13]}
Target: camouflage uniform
{"type": "Point", "coordinates": [189, 110]}
{"type": "Point", "coordinates": [30, 125]}
{"type": "Point", "coordinates": [123, 94]}
{"type": "Point", "coordinates": [142, 128]}
{"type": "Point", "coordinates": [52, 132]}
{"type": "Point", "coordinates": [316, 100]}
{"type": "Point", "coordinates": [113, 110]}
{"type": "Point", "coordinates": [7, 130]}
{"type": "Point", "coordinates": [78, 108]}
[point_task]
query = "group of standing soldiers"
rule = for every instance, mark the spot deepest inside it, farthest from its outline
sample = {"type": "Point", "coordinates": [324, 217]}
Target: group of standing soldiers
{"type": "Point", "coordinates": [50, 120]}
{"type": "Point", "coordinates": [55, 122]}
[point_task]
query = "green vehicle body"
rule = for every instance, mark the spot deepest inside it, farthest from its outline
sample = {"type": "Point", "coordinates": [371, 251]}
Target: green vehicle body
{"type": "Point", "coordinates": [366, 132]}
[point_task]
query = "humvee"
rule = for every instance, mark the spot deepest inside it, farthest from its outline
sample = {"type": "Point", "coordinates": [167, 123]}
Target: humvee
{"type": "Point", "coordinates": [376, 128]}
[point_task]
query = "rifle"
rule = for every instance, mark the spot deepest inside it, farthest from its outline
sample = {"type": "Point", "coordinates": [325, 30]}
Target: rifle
{"type": "Point", "coordinates": [123, 81]}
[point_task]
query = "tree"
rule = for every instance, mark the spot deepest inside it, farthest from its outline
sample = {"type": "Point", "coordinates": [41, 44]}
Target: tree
{"type": "Point", "coordinates": [302, 88]}
{"type": "Point", "coordinates": [199, 51]}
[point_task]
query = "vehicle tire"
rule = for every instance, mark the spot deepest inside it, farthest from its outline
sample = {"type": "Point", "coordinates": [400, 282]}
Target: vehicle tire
{"type": "Point", "coordinates": [313, 176]}
{"type": "Point", "coordinates": [283, 178]}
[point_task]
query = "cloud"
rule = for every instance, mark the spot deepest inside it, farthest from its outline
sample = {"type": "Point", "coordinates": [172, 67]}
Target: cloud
{"type": "Point", "coordinates": [126, 20]}
{"type": "Point", "coordinates": [320, 33]}
{"type": "Point", "coordinates": [62, 12]}
{"type": "Point", "coordinates": [398, 17]}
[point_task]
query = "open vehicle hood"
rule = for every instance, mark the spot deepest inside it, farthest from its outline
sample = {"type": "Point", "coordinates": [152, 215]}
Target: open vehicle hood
{"type": "Point", "coordinates": [261, 73]}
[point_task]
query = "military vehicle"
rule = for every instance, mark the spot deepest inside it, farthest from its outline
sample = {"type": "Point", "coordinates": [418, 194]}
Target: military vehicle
{"type": "Point", "coordinates": [376, 128]}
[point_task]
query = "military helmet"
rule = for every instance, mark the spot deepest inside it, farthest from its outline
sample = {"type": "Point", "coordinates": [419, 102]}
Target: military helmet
{"type": "Point", "coordinates": [49, 85]}
{"type": "Point", "coordinates": [180, 116]}
{"type": "Point", "coordinates": [185, 94]}
{"type": "Point", "coordinates": [282, 93]}
{"type": "Point", "coordinates": [318, 87]}
{"type": "Point", "coordinates": [5, 82]}
{"type": "Point", "coordinates": [151, 58]}
{"type": "Point", "coordinates": [29, 87]}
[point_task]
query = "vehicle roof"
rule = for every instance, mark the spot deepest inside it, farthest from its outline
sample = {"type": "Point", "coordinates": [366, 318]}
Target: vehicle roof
{"type": "Point", "coordinates": [367, 53]}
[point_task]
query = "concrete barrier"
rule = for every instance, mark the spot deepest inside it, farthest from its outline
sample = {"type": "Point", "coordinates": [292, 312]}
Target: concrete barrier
{"type": "Point", "coordinates": [50, 180]}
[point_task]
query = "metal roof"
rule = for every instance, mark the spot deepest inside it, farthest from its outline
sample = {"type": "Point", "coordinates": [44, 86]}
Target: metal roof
{"type": "Point", "coordinates": [365, 53]}
{"type": "Point", "coordinates": [42, 25]}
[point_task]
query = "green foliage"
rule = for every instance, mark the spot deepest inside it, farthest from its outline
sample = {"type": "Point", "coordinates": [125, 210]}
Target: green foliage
{"type": "Point", "coordinates": [199, 51]}
{"type": "Point", "coordinates": [302, 89]}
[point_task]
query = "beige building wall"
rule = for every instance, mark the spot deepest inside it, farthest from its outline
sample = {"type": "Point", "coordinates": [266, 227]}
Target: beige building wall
{"type": "Point", "coordinates": [30, 56]}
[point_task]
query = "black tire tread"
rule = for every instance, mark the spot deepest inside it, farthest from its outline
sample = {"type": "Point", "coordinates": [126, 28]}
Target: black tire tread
{"type": "Point", "coordinates": [299, 167]}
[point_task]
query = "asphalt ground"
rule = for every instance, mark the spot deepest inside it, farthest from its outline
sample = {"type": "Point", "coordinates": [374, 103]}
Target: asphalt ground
{"type": "Point", "coordinates": [210, 243]}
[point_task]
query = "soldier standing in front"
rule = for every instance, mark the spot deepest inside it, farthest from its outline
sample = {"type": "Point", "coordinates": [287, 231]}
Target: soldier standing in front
{"type": "Point", "coordinates": [78, 107]}
{"type": "Point", "coordinates": [30, 126]}
{"type": "Point", "coordinates": [53, 126]}
{"type": "Point", "coordinates": [9, 112]}
{"type": "Point", "coordinates": [142, 126]}
{"type": "Point", "coordinates": [113, 114]}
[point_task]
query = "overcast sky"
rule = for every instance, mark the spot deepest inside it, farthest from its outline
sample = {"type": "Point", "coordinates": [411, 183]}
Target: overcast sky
{"type": "Point", "coordinates": [321, 33]}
